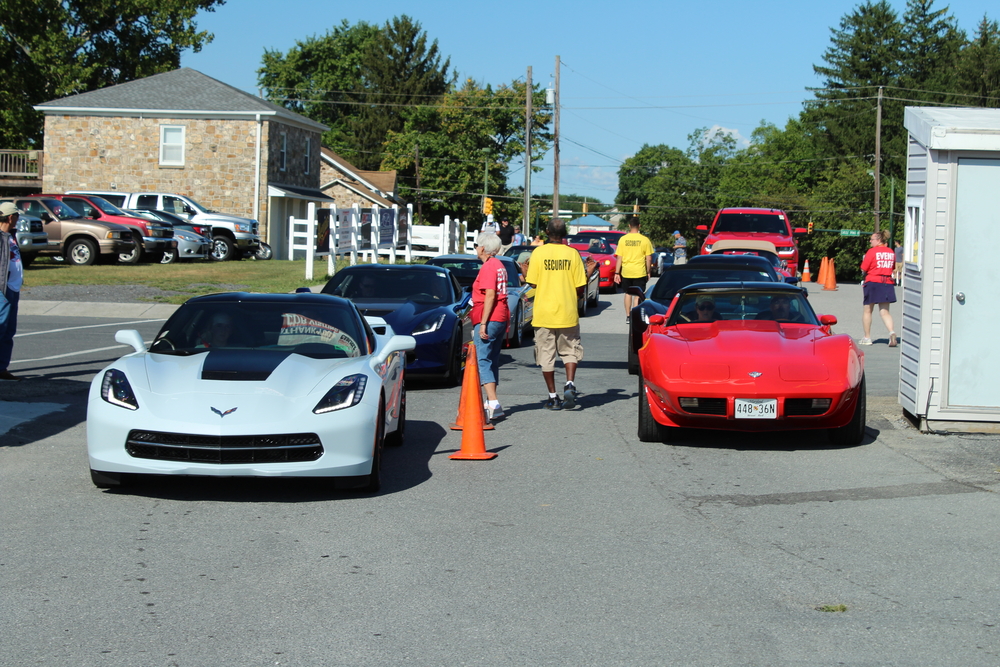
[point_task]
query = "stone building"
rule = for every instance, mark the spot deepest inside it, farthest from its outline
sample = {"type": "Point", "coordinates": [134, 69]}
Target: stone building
{"type": "Point", "coordinates": [187, 133]}
{"type": "Point", "coordinates": [348, 185]}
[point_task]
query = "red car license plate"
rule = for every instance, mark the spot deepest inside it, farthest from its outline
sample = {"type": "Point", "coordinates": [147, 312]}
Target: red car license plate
{"type": "Point", "coordinates": [756, 408]}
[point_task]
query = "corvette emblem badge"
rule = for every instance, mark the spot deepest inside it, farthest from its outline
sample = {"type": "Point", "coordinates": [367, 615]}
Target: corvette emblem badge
{"type": "Point", "coordinates": [753, 374]}
{"type": "Point", "coordinates": [223, 414]}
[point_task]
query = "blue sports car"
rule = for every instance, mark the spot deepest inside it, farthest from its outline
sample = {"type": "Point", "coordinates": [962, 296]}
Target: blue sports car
{"type": "Point", "coordinates": [425, 302]}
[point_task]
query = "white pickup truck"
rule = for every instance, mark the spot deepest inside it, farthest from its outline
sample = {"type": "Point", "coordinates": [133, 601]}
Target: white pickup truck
{"type": "Point", "coordinates": [232, 236]}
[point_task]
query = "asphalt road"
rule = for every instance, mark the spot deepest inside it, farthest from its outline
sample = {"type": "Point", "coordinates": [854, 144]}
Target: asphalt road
{"type": "Point", "coordinates": [577, 545]}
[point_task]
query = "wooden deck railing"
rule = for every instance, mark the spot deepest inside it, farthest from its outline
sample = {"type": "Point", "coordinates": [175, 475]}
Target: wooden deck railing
{"type": "Point", "coordinates": [20, 164]}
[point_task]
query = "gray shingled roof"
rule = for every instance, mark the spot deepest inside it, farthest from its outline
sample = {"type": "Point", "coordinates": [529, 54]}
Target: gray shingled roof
{"type": "Point", "coordinates": [183, 89]}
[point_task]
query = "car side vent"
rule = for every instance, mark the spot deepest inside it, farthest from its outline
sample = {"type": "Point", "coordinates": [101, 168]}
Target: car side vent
{"type": "Point", "coordinates": [806, 407]}
{"type": "Point", "coordinates": [704, 406]}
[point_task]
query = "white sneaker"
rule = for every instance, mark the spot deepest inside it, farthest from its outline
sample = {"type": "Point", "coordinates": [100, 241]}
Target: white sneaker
{"type": "Point", "coordinates": [493, 414]}
{"type": "Point", "coordinates": [864, 341]}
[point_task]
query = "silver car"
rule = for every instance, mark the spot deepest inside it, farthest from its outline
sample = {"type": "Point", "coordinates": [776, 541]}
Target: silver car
{"type": "Point", "coordinates": [190, 245]}
{"type": "Point", "coordinates": [31, 238]}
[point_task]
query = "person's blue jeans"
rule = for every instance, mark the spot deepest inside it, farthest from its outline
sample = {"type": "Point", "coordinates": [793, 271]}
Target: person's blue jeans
{"type": "Point", "coordinates": [488, 351]}
{"type": "Point", "coordinates": [8, 326]}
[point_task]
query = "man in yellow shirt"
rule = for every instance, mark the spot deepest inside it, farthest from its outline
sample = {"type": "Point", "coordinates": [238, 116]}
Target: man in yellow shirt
{"type": "Point", "coordinates": [635, 260]}
{"type": "Point", "coordinates": [557, 274]}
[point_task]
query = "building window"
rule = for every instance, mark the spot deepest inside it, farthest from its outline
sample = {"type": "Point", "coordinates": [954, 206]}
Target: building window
{"type": "Point", "coordinates": [172, 145]}
{"type": "Point", "coordinates": [914, 231]}
{"type": "Point", "coordinates": [283, 152]}
{"type": "Point", "coordinates": [308, 156]}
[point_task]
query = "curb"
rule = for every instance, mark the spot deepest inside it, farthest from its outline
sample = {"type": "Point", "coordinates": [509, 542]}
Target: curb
{"type": "Point", "coordinates": [153, 311]}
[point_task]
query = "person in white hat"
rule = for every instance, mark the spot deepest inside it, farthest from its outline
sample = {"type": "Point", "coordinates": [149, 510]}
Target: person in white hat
{"type": "Point", "coordinates": [11, 278]}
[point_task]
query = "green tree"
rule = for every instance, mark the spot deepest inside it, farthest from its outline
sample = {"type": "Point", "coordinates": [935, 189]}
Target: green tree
{"type": "Point", "coordinates": [978, 67]}
{"type": "Point", "coordinates": [467, 142]}
{"type": "Point", "coordinates": [317, 78]}
{"type": "Point", "coordinates": [54, 48]}
{"type": "Point", "coordinates": [398, 68]}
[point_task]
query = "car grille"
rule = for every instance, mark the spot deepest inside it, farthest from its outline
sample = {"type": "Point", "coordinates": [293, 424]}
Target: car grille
{"type": "Point", "coordinates": [804, 407]}
{"type": "Point", "coordinates": [224, 449]}
{"type": "Point", "coordinates": [36, 226]}
{"type": "Point", "coordinates": [705, 406]}
{"type": "Point", "coordinates": [160, 231]}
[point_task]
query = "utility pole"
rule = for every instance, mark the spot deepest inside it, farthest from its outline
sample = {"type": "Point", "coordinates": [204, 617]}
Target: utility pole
{"type": "Point", "coordinates": [555, 147]}
{"type": "Point", "coordinates": [878, 157]}
{"type": "Point", "coordinates": [526, 218]}
{"type": "Point", "coordinates": [420, 203]}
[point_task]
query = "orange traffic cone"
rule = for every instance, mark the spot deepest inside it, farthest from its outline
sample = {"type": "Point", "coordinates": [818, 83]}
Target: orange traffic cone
{"type": "Point", "coordinates": [470, 385]}
{"type": "Point", "coordinates": [823, 265]}
{"type": "Point", "coordinates": [830, 283]}
{"type": "Point", "coordinates": [806, 276]}
{"type": "Point", "coordinates": [472, 415]}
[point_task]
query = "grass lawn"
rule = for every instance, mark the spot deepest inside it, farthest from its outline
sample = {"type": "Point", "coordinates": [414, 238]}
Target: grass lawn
{"type": "Point", "coordinates": [191, 278]}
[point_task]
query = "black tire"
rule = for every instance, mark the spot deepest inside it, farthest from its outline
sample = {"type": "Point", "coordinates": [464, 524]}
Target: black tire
{"type": "Point", "coordinates": [633, 359]}
{"type": "Point", "coordinates": [853, 433]}
{"type": "Point", "coordinates": [597, 298]}
{"type": "Point", "coordinates": [105, 480]}
{"type": "Point", "coordinates": [517, 333]}
{"type": "Point", "coordinates": [264, 252]}
{"type": "Point", "coordinates": [81, 252]}
{"type": "Point", "coordinates": [223, 248]}
{"type": "Point", "coordinates": [375, 478]}
{"type": "Point", "coordinates": [455, 369]}
{"type": "Point", "coordinates": [169, 257]}
{"type": "Point", "coordinates": [26, 260]}
{"type": "Point", "coordinates": [397, 437]}
{"type": "Point", "coordinates": [650, 430]}
{"type": "Point", "coordinates": [131, 257]}
{"type": "Point", "coordinates": [581, 308]}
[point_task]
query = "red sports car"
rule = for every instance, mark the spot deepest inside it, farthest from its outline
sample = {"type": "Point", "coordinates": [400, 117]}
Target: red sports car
{"type": "Point", "coordinates": [602, 252]}
{"type": "Point", "coordinates": [749, 357]}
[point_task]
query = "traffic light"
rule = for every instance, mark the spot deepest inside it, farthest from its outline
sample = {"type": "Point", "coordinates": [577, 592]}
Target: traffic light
{"type": "Point", "coordinates": [487, 205]}
{"type": "Point", "coordinates": [810, 228]}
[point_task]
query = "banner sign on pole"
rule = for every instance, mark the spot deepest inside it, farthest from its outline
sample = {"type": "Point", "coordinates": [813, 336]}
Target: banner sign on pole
{"type": "Point", "coordinates": [344, 241]}
{"type": "Point", "coordinates": [402, 221]}
{"type": "Point", "coordinates": [366, 229]}
{"type": "Point", "coordinates": [385, 227]}
{"type": "Point", "coordinates": [322, 231]}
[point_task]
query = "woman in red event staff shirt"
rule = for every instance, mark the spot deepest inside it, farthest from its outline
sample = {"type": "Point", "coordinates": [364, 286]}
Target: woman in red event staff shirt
{"type": "Point", "coordinates": [877, 268]}
{"type": "Point", "coordinates": [490, 314]}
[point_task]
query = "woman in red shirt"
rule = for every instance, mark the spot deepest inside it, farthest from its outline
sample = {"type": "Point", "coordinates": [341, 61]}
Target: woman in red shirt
{"type": "Point", "coordinates": [877, 268]}
{"type": "Point", "coordinates": [490, 314]}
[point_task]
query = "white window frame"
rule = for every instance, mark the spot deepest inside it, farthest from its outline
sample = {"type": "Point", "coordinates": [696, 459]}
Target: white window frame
{"type": "Point", "coordinates": [169, 161]}
{"type": "Point", "coordinates": [283, 152]}
{"type": "Point", "coordinates": [308, 155]}
{"type": "Point", "coordinates": [914, 231]}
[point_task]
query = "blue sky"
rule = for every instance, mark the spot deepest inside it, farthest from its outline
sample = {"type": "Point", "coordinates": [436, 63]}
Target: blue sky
{"type": "Point", "coordinates": [633, 72]}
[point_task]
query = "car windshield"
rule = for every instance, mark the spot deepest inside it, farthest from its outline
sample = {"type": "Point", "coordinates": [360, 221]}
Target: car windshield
{"type": "Point", "coordinates": [673, 281]}
{"type": "Point", "coordinates": [598, 245]}
{"type": "Point", "coordinates": [741, 304]}
{"type": "Point", "coordinates": [465, 269]}
{"type": "Point", "coordinates": [310, 329]}
{"type": "Point", "coordinates": [766, 223]}
{"type": "Point", "coordinates": [419, 286]}
{"type": "Point", "coordinates": [106, 206]}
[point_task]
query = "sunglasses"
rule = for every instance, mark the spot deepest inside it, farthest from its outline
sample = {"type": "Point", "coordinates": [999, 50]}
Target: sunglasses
{"type": "Point", "coordinates": [708, 305]}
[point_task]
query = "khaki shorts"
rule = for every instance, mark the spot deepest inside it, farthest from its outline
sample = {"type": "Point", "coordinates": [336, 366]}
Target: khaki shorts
{"type": "Point", "coordinates": [562, 342]}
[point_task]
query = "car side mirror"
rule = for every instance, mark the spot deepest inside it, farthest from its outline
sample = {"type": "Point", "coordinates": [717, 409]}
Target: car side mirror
{"type": "Point", "coordinates": [701, 228]}
{"type": "Point", "coordinates": [657, 320]}
{"type": "Point", "coordinates": [46, 217]}
{"type": "Point", "coordinates": [828, 320]}
{"type": "Point", "coordinates": [95, 215]}
{"type": "Point", "coordinates": [131, 337]}
{"type": "Point", "coordinates": [636, 291]}
{"type": "Point", "coordinates": [792, 280]}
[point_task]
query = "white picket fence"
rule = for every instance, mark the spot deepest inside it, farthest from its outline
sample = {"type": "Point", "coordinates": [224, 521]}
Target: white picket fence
{"type": "Point", "coordinates": [364, 233]}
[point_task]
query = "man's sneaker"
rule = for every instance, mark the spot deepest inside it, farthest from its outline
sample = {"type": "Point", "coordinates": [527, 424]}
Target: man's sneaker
{"type": "Point", "coordinates": [6, 375]}
{"type": "Point", "coordinates": [554, 403]}
{"type": "Point", "coordinates": [865, 341]}
{"type": "Point", "coordinates": [569, 396]}
{"type": "Point", "coordinates": [495, 414]}
{"type": "Point", "coordinates": [628, 320]}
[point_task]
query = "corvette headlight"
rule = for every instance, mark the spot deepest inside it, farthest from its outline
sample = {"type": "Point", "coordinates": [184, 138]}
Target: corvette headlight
{"type": "Point", "coordinates": [430, 325]}
{"type": "Point", "coordinates": [344, 394]}
{"type": "Point", "coordinates": [116, 390]}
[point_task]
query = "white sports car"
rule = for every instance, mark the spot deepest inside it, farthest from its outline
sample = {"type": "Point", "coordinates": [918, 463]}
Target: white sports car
{"type": "Point", "coordinates": [295, 385]}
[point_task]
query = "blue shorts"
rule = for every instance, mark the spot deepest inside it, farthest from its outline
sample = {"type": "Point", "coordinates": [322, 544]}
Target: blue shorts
{"type": "Point", "coordinates": [879, 293]}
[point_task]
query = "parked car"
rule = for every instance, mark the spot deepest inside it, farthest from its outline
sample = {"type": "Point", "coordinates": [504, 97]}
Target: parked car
{"type": "Point", "coordinates": [520, 296]}
{"type": "Point", "coordinates": [232, 236]}
{"type": "Point", "coordinates": [31, 237]}
{"type": "Point", "coordinates": [303, 386]}
{"type": "Point", "coordinates": [592, 292]}
{"type": "Point", "coordinates": [425, 302]}
{"type": "Point", "coordinates": [79, 240]}
{"type": "Point", "coordinates": [190, 244]}
{"type": "Point", "coordinates": [602, 252]}
{"type": "Point", "coordinates": [151, 237]}
{"type": "Point", "coordinates": [610, 235]}
{"type": "Point", "coordinates": [755, 224]}
{"type": "Point", "coordinates": [659, 295]}
{"type": "Point", "coordinates": [749, 357]}
{"type": "Point", "coordinates": [662, 257]}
